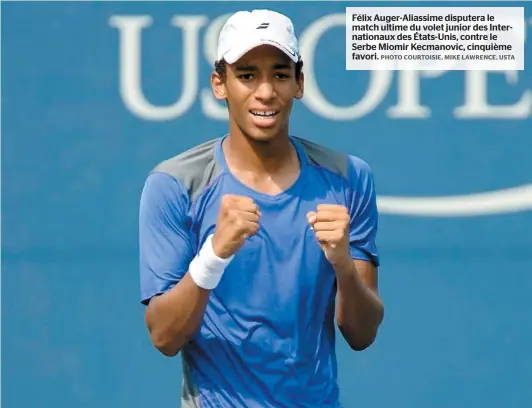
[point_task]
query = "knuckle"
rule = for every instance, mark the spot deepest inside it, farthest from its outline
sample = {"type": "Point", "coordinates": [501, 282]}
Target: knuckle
{"type": "Point", "coordinates": [225, 203]}
{"type": "Point", "coordinates": [232, 215]}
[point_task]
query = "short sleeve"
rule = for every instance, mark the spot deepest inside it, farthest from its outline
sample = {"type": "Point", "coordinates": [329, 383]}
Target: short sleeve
{"type": "Point", "coordinates": [165, 247]}
{"type": "Point", "coordinates": [362, 201]}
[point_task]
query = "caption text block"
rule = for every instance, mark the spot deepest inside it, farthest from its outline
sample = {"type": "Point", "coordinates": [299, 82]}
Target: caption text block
{"type": "Point", "coordinates": [435, 38]}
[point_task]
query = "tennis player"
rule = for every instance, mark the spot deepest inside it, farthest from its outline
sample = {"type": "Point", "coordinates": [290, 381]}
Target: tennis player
{"type": "Point", "coordinates": [254, 244]}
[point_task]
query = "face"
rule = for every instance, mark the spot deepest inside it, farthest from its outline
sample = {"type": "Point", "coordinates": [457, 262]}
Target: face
{"type": "Point", "coordinates": [260, 89]}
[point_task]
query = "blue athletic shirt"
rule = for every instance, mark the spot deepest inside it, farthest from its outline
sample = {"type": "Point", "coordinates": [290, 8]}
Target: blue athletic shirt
{"type": "Point", "coordinates": [268, 334]}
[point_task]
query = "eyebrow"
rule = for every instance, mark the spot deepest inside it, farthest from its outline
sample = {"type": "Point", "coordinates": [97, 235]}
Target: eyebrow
{"type": "Point", "coordinates": [282, 66]}
{"type": "Point", "coordinates": [246, 68]}
{"type": "Point", "coordinates": [254, 68]}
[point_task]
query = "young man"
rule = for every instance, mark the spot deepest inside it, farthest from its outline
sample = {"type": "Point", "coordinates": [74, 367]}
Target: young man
{"type": "Point", "coordinates": [247, 241]}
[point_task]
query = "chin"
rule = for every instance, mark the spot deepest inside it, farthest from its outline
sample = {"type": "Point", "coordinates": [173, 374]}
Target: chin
{"type": "Point", "coordinates": [263, 135]}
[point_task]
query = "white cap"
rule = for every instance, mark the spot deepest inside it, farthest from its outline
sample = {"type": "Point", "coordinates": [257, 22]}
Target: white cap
{"type": "Point", "coordinates": [246, 30]}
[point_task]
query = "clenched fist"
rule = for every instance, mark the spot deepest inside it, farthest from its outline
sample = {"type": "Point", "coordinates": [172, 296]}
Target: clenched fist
{"type": "Point", "coordinates": [238, 219]}
{"type": "Point", "coordinates": [330, 223]}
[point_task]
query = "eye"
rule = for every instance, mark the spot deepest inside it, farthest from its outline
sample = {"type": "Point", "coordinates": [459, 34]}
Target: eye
{"type": "Point", "coordinates": [245, 76]}
{"type": "Point", "coordinates": [282, 75]}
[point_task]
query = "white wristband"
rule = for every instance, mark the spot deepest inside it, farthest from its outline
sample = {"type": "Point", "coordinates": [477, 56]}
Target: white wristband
{"type": "Point", "coordinates": [207, 268]}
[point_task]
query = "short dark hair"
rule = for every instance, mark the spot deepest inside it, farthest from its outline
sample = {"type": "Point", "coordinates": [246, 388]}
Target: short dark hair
{"type": "Point", "coordinates": [220, 67]}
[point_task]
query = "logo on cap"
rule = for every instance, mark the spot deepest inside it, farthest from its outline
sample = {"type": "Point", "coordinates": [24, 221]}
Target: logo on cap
{"type": "Point", "coordinates": [292, 53]}
{"type": "Point", "coordinates": [263, 25]}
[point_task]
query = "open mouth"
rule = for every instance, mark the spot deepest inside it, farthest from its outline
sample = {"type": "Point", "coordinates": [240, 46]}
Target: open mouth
{"type": "Point", "coordinates": [264, 114]}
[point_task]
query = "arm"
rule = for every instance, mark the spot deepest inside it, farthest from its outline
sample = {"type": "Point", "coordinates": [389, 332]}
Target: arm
{"type": "Point", "coordinates": [173, 318]}
{"type": "Point", "coordinates": [175, 304]}
{"type": "Point", "coordinates": [360, 310]}
{"type": "Point", "coordinates": [175, 284]}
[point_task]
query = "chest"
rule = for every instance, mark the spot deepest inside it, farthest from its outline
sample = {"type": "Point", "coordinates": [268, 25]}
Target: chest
{"type": "Point", "coordinates": [282, 261]}
{"type": "Point", "coordinates": [280, 275]}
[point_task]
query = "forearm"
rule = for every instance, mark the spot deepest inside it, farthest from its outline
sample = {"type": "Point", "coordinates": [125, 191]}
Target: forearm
{"type": "Point", "coordinates": [359, 309]}
{"type": "Point", "coordinates": [174, 317]}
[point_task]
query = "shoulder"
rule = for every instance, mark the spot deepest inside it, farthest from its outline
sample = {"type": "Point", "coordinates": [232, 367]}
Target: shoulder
{"type": "Point", "coordinates": [192, 169]}
{"type": "Point", "coordinates": [346, 165]}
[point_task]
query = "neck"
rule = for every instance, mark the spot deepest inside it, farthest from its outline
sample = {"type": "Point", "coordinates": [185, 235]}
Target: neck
{"type": "Point", "coordinates": [245, 154]}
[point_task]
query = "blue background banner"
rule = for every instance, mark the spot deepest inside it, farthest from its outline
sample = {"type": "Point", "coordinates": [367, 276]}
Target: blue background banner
{"type": "Point", "coordinates": [95, 94]}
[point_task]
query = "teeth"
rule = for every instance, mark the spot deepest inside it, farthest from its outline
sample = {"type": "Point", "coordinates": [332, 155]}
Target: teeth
{"type": "Point", "coordinates": [263, 113]}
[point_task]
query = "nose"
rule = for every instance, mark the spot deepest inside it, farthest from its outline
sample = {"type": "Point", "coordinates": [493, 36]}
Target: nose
{"type": "Point", "coordinates": [265, 91]}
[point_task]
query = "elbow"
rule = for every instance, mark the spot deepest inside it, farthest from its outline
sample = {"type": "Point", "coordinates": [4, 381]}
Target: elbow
{"type": "Point", "coordinates": [168, 350]}
{"type": "Point", "coordinates": [360, 347]}
{"type": "Point", "coordinates": [360, 344]}
{"type": "Point", "coordinates": [166, 340]}
{"type": "Point", "coordinates": [358, 341]}
{"type": "Point", "coordinates": [167, 345]}
{"type": "Point", "coordinates": [359, 338]}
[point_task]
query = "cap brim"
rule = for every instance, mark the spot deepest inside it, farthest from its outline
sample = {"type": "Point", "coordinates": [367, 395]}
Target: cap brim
{"type": "Point", "coordinates": [235, 54]}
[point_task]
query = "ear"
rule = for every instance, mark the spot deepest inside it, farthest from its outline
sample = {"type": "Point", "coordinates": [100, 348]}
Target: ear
{"type": "Point", "coordinates": [218, 86]}
{"type": "Point", "coordinates": [300, 86]}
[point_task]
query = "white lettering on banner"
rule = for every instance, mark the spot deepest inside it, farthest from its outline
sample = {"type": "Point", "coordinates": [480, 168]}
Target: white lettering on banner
{"type": "Point", "coordinates": [378, 87]}
{"type": "Point", "coordinates": [408, 92]}
{"type": "Point", "coordinates": [130, 67]}
{"type": "Point", "coordinates": [130, 28]}
{"type": "Point", "coordinates": [211, 107]}
{"type": "Point", "coordinates": [476, 99]}
{"type": "Point", "coordinates": [408, 105]}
